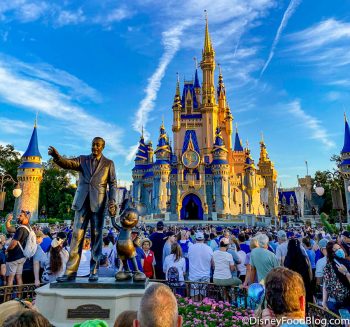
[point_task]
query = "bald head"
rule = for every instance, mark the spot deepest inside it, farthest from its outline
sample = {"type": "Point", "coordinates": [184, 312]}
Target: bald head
{"type": "Point", "coordinates": [158, 308]}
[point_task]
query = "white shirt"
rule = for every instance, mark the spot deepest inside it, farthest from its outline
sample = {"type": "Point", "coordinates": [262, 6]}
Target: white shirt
{"type": "Point", "coordinates": [84, 266]}
{"type": "Point", "coordinates": [321, 263]}
{"type": "Point", "coordinates": [180, 265]}
{"type": "Point", "coordinates": [199, 256]}
{"type": "Point", "coordinates": [222, 261]}
{"type": "Point", "coordinates": [242, 267]}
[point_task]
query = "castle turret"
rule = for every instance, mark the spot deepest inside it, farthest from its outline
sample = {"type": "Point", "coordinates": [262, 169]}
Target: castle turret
{"type": "Point", "coordinates": [268, 171]}
{"type": "Point", "coordinates": [221, 170]}
{"type": "Point", "coordinates": [344, 166]}
{"type": "Point", "coordinates": [209, 106]}
{"type": "Point", "coordinates": [197, 86]}
{"type": "Point", "coordinates": [161, 172]}
{"type": "Point", "coordinates": [221, 94]}
{"type": "Point", "coordinates": [142, 164]}
{"type": "Point", "coordinates": [29, 176]}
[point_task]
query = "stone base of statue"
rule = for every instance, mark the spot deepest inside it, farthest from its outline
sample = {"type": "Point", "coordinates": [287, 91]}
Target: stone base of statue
{"type": "Point", "coordinates": [64, 304]}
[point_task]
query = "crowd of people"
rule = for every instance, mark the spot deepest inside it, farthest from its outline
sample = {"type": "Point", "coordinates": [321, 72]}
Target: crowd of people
{"type": "Point", "coordinates": [226, 256]}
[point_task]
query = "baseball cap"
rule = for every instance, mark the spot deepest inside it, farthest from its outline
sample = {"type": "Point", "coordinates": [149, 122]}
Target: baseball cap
{"type": "Point", "coordinates": [323, 243]}
{"type": "Point", "coordinates": [281, 234]}
{"type": "Point", "coordinates": [39, 233]}
{"type": "Point", "coordinates": [46, 230]}
{"type": "Point", "coordinates": [168, 234]}
{"type": "Point", "coordinates": [199, 236]}
{"type": "Point", "coordinates": [160, 223]}
{"type": "Point", "coordinates": [218, 229]}
{"type": "Point", "coordinates": [346, 234]}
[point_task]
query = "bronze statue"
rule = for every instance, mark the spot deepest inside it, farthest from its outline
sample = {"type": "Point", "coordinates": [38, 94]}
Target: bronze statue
{"type": "Point", "coordinates": [95, 173]}
{"type": "Point", "coordinates": [126, 248]}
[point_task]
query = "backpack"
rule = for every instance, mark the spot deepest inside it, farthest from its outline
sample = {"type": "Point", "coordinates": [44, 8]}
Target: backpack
{"type": "Point", "coordinates": [173, 275]}
{"type": "Point", "coordinates": [31, 246]}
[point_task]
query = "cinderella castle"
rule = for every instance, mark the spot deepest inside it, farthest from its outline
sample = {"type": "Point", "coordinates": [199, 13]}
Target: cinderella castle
{"type": "Point", "coordinates": [203, 175]}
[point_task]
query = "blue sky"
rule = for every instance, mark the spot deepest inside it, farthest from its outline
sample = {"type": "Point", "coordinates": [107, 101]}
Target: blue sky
{"type": "Point", "coordinates": [108, 67]}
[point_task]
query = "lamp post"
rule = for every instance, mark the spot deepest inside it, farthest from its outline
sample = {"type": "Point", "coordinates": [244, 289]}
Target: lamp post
{"type": "Point", "coordinates": [337, 199]}
{"type": "Point", "coordinates": [7, 178]}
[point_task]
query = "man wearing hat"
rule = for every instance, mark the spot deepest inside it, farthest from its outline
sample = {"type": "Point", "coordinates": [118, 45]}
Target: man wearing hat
{"type": "Point", "coordinates": [46, 242]}
{"type": "Point", "coordinates": [282, 247]}
{"type": "Point", "coordinates": [157, 239]}
{"type": "Point", "coordinates": [200, 258]}
{"type": "Point", "coordinates": [39, 257]}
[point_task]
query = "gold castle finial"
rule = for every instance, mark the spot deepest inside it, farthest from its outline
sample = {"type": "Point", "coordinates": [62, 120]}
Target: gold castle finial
{"type": "Point", "coordinates": [262, 137]}
{"type": "Point", "coordinates": [195, 62]}
{"type": "Point", "coordinates": [162, 122]}
{"type": "Point", "coordinates": [207, 41]}
{"type": "Point", "coordinates": [36, 119]}
{"type": "Point", "coordinates": [247, 144]}
{"type": "Point", "coordinates": [236, 127]}
{"type": "Point", "coordinates": [220, 71]}
{"type": "Point", "coordinates": [345, 117]}
{"type": "Point", "coordinates": [142, 131]}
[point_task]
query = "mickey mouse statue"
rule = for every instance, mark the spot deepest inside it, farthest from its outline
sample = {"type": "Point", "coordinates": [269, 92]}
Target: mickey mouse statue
{"type": "Point", "coordinates": [125, 246]}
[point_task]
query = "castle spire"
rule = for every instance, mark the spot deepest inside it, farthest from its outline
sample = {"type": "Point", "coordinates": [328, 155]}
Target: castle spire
{"type": "Point", "coordinates": [238, 144]}
{"type": "Point", "coordinates": [207, 41]}
{"type": "Point", "coordinates": [346, 147]}
{"type": "Point", "coordinates": [33, 148]}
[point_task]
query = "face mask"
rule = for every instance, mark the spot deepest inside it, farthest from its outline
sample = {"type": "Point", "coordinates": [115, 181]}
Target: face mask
{"type": "Point", "coordinates": [340, 253]}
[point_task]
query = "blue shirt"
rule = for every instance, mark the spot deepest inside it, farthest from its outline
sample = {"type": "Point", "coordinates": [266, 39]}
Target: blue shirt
{"type": "Point", "coordinates": [46, 244]}
{"type": "Point", "coordinates": [139, 256]}
{"type": "Point", "coordinates": [312, 257]}
{"type": "Point", "coordinates": [245, 247]}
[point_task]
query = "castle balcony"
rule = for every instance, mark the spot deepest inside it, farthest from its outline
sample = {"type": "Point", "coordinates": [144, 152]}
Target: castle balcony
{"type": "Point", "coordinates": [192, 184]}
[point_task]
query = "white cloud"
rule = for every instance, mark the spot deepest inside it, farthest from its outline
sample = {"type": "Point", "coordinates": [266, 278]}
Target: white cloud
{"type": "Point", "coordinates": [36, 93]}
{"type": "Point", "coordinates": [67, 17]}
{"type": "Point", "coordinates": [293, 4]}
{"type": "Point", "coordinates": [314, 125]}
{"type": "Point", "coordinates": [12, 126]}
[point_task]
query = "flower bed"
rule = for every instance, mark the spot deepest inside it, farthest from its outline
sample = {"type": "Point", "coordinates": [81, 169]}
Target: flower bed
{"type": "Point", "coordinates": [209, 313]}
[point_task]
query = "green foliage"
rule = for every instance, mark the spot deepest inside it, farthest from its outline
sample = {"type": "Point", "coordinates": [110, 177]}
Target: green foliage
{"type": "Point", "coordinates": [330, 228]}
{"type": "Point", "coordinates": [56, 191]}
{"type": "Point", "coordinates": [10, 159]}
{"type": "Point", "coordinates": [52, 221]}
{"type": "Point", "coordinates": [348, 227]}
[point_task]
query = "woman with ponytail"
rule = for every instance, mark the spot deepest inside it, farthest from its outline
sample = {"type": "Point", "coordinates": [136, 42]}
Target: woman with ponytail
{"type": "Point", "coordinates": [56, 262]}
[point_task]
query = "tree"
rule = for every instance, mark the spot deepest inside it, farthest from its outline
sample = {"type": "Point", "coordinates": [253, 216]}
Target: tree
{"type": "Point", "coordinates": [56, 191]}
{"type": "Point", "coordinates": [10, 159]}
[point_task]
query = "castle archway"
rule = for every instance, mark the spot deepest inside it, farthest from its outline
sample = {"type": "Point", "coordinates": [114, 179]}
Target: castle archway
{"type": "Point", "coordinates": [192, 208]}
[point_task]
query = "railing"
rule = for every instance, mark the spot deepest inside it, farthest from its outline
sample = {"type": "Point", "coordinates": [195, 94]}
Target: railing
{"type": "Point", "coordinates": [322, 317]}
{"type": "Point", "coordinates": [25, 292]}
{"type": "Point", "coordinates": [197, 291]}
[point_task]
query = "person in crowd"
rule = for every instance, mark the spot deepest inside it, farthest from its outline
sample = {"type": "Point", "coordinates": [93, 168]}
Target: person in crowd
{"type": "Point", "coordinates": [241, 267]}
{"type": "Point", "coordinates": [56, 261]}
{"type": "Point", "coordinates": [140, 256]}
{"type": "Point", "coordinates": [12, 307]}
{"type": "Point", "coordinates": [170, 239]}
{"type": "Point", "coordinates": [242, 243]}
{"type": "Point", "coordinates": [216, 242]}
{"type": "Point", "coordinates": [47, 239]}
{"type": "Point", "coordinates": [2, 260]}
{"type": "Point", "coordinates": [15, 257]}
{"type": "Point", "coordinates": [336, 286]}
{"type": "Point", "coordinates": [224, 265]}
{"type": "Point", "coordinates": [27, 318]}
{"type": "Point", "coordinates": [345, 243]}
{"type": "Point", "coordinates": [38, 258]}
{"type": "Point", "coordinates": [200, 257]}
{"type": "Point", "coordinates": [321, 263]}
{"type": "Point", "coordinates": [149, 258]}
{"type": "Point", "coordinates": [285, 297]}
{"type": "Point", "coordinates": [272, 243]}
{"type": "Point", "coordinates": [185, 244]}
{"type": "Point", "coordinates": [158, 308]}
{"type": "Point", "coordinates": [84, 265]}
{"type": "Point", "coordinates": [126, 319]}
{"type": "Point", "coordinates": [296, 261]}
{"type": "Point", "coordinates": [232, 249]}
{"type": "Point", "coordinates": [157, 239]}
{"type": "Point", "coordinates": [262, 260]}
{"type": "Point", "coordinates": [106, 268]}
{"type": "Point", "coordinates": [281, 248]}
{"type": "Point", "coordinates": [175, 259]}
{"type": "Point", "coordinates": [310, 253]}
{"type": "Point", "coordinates": [253, 244]}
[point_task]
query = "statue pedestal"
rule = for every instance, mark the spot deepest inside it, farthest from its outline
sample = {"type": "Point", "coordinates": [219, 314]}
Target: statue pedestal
{"type": "Point", "coordinates": [64, 304]}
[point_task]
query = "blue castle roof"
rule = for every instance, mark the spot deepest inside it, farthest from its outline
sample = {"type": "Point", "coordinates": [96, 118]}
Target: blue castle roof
{"type": "Point", "coordinates": [189, 87]}
{"type": "Point", "coordinates": [238, 144]}
{"type": "Point", "coordinates": [33, 149]}
{"type": "Point", "coordinates": [196, 80]}
{"type": "Point", "coordinates": [30, 165]}
{"type": "Point", "coordinates": [142, 151]}
{"type": "Point", "coordinates": [287, 195]}
{"type": "Point", "coordinates": [346, 147]}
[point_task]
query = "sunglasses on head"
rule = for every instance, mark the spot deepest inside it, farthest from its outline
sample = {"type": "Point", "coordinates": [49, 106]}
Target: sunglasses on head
{"type": "Point", "coordinates": [25, 305]}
